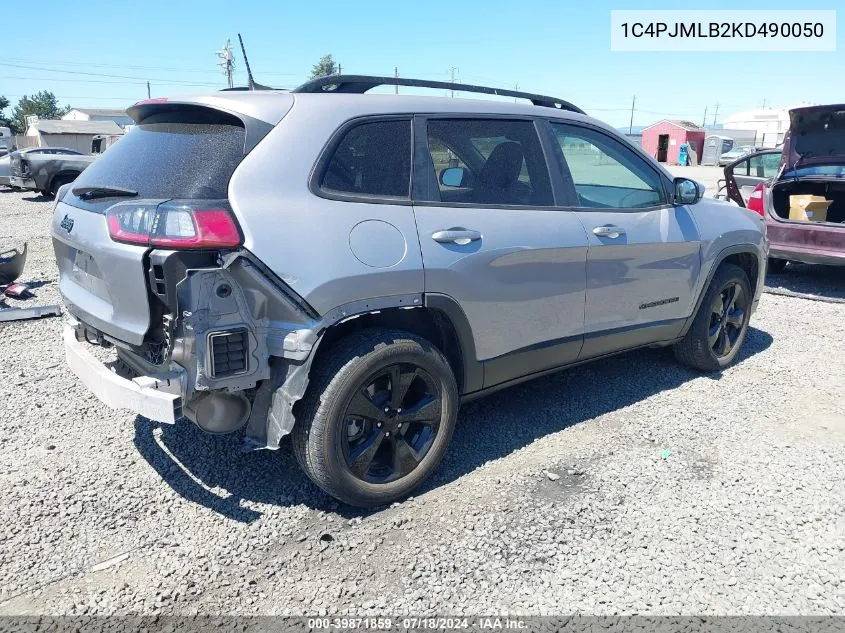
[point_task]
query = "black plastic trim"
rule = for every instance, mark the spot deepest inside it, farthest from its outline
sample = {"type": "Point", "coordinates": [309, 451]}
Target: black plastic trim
{"type": "Point", "coordinates": [634, 338]}
{"type": "Point", "coordinates": [533, 359]}
{"type": "Point", "coordinates": [173, 266]}
{"type": "Point", "coordinates": [473, 378]}
{"type": "Point", "coordinates": [604, 342]}
{"type": "Point", "coordinates": [736, 249]}
{"type": "Point", "coordinates": [359, 84]}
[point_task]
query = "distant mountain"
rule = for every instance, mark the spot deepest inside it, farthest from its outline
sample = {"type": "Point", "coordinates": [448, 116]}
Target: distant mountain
{"type": "Point", "coordinates": [637, 129]}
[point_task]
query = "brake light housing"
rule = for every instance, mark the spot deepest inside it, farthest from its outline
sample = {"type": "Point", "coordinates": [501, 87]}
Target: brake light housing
{"type": "Point", "coordinates": [755, 200]}
{"type": "Point", "coordinates": [175, 224]}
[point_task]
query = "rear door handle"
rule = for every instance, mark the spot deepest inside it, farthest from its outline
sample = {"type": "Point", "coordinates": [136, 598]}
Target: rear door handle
{"type": "Point", "coordinates": [456, 235]}
{"type": "Point", "coordinates": [609, 231]}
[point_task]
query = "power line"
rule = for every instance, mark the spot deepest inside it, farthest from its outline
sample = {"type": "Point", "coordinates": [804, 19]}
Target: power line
{"type": "Point", "coordinates": [126, 67]}
{"type": "Point", "coordinates": [88, 97]}
{"type": "Point", "coordinates": [127, 82]}
{"type": "Point", "coordinates": [87, 74]}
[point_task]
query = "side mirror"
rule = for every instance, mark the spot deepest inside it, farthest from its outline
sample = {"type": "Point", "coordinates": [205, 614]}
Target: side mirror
{"type": "Point", "coordinates": [687, 191]}
{"type": "Point", "coordinates": [453, 177]}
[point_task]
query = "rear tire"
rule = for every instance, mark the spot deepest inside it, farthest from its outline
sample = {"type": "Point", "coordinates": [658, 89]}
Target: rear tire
{"type": "Point", "coordinates": [720, 326]}
{"type": "Point", "coordinates": [377, 417]}
{"type": "Point", "coordinates": [776, 266]}
{"type": "Point", "coordinates": [58, 182]}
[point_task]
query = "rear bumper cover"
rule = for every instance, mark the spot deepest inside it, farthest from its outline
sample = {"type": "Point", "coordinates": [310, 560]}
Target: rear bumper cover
{"type": "Point", "coordinates": [23, 183]}
{"type": "Point", "coordinates": [144, 395]}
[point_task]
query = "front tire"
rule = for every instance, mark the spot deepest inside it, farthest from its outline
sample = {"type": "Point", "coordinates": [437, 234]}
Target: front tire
{"type": "Point", "coordinates": [377, 417]}
{"type": "Point", "coordinates": [718, 331]}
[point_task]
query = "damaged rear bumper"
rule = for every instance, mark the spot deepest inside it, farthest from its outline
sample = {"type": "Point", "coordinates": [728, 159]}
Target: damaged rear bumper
{"type": "Point", "coordinates": [22, 183]}
{"type": "Point", "coordinates": [146, 395]}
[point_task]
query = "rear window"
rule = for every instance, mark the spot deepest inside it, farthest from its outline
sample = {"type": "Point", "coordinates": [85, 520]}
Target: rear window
{"type": "Point", "coordinates": [170, 160]}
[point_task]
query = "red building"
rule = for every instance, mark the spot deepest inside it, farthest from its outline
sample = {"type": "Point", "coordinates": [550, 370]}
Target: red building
{"type": "Point", "coordinates": [664, 139]}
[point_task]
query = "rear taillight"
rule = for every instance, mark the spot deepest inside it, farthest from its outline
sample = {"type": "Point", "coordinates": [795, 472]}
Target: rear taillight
{"type": "Point", "coordinates": [755, 200]}
{"type": "Point", "coordinates": [176, 224]}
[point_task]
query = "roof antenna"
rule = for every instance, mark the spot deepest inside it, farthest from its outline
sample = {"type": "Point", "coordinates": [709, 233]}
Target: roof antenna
{"type": "Point", "coordinates": [252, 84]}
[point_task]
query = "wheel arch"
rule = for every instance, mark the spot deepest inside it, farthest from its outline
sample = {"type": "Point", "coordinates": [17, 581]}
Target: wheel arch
{"type": "Point", "coordinates": [439, 320]}
{"type": "Point", "coordinates": [65, 172]}
{"type": "Point", "coordinates": [747, 257]}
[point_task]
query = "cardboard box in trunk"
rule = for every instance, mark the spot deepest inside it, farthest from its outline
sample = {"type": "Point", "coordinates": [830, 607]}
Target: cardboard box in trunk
{"type": "Point", "coordinates": [807, 208]}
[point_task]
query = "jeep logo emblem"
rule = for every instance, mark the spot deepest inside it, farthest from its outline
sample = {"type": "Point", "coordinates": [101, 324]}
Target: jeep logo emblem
{"type": "Point", "coordinates": [66, 223]}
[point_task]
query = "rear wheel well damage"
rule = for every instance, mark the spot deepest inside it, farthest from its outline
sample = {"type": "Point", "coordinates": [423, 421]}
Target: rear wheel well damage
{"type": "Point", "coordinates": [275, 407]}
{"type": "Point", "coordinates": [430, 324]}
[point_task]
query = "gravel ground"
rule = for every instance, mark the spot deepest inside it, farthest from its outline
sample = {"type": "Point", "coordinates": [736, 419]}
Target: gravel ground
{"type": "Point", "coordinates": [627, 486]}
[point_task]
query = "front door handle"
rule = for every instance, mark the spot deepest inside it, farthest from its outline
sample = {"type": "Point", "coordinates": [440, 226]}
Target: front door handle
{"type": "Point", "coordinates": [457, 235]}
{"type": "Point", "coordinates": [609, 231]}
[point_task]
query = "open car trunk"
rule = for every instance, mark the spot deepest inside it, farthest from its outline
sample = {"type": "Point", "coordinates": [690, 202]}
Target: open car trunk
{"type": "Point", "coordinates": [831, 190]}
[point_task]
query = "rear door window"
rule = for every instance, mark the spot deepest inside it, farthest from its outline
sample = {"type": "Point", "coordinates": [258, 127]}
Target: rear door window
{"type": "Point", "coordinates": [163, 159]}
{"type": "Point", "coordinates": [372, 159]}
{"type": "Point", "coordinates": [489, 162]}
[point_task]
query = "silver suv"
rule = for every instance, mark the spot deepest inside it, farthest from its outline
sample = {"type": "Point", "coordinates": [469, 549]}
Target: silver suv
{"type": "Point", "coordinates": [348, 268]}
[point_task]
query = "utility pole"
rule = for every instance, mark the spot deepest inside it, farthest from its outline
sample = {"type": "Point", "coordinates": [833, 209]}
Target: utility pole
{"type": "Point", "coordinates": [148, 90]}
{"type": "Point", "coordinates": [396, 76]}
{"type": "Point", "coordinates": [764, 103]}
{"type": "Point", "coordinates": [227, 62]}
{"type": "Point", "coordinates": [516, 89]}
{"type": "Point", "coordinates": [704, 120]}
{"type": "Point", "coordinates": [715, 114]}
{"type": "Point", "coordinates": [453, 69]}
{"type": "Point", "coordinates": [631, 124]}
{"type": "Point", "coordinates": [339, 69]}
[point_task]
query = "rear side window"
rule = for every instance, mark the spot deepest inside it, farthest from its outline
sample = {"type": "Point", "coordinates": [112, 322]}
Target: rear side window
{"type": "Point", "coordinates": [372, 159]}
{"type": "Point", "coordinates": [171, 160]}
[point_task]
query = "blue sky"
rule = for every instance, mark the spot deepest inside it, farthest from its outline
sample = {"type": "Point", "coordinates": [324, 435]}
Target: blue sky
{"type": "Point", "coordinates": [553, 47]}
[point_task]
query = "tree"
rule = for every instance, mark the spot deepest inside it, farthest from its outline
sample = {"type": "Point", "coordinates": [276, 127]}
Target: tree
{"type": "Point", "coordinates": [43, 103]}
{"type": "Point", "coordinates": [4, 103]}
{"type": "Point", "coordinates": [325, 67]}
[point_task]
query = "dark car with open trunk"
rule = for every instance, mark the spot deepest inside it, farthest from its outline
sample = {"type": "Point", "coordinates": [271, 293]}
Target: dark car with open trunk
{"type": "Point", "coordinates": [799, 189]}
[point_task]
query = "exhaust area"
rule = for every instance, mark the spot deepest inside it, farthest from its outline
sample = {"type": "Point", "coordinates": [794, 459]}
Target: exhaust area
{"type": "Point", "coordinates": [219, 413]}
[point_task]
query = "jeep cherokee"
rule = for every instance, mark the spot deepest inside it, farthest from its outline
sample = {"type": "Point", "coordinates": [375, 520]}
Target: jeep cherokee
{"type": "Point", "coordinates": [348, 268]}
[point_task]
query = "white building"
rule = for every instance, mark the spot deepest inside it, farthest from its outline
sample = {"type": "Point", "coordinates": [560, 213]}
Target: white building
{"type": "Point", "coordinates": [771, 124]}
{"type": "Point", "coordinates": [116, 115]}
{"type": "Point", "coordinates": [76, 135]}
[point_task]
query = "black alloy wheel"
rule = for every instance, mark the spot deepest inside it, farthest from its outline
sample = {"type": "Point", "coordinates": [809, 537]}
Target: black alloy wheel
{"type": "Point", "coordinates": [391, 423]}
{"type": "Point", "coordinates": [727, 318]}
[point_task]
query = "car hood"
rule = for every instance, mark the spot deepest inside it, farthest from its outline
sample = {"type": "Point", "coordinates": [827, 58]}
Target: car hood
{"type": "Point", "coordinates": [816, 136]}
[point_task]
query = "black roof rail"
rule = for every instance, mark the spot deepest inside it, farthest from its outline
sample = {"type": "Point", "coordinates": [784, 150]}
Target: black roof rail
{"type": "Point", "coordinates": [359, 84]}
